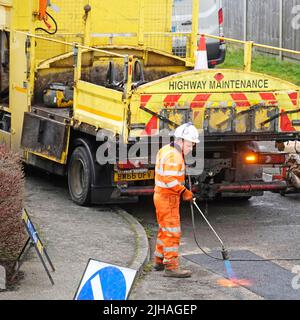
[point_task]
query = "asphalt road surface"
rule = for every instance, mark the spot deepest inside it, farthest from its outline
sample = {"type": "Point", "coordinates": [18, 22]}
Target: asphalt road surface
{"type": "Point", "coordinates": [269, 226]}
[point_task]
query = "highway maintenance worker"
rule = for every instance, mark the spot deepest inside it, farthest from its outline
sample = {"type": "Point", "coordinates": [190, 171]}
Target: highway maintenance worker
{"type": "Point", "coordinates": [169, 188]}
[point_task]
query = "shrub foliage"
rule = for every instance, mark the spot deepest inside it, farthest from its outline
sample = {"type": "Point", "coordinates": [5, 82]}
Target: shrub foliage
{"type": "Point", "coordinates": [12, 234]}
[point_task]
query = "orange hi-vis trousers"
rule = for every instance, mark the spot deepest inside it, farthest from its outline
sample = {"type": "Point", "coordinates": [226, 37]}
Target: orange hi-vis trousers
{"type": "Point", "coordinates": [169, 232]}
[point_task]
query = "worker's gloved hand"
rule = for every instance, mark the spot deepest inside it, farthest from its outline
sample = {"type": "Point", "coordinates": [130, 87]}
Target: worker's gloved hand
{"type": "Point", "coordinates": [187, 195]}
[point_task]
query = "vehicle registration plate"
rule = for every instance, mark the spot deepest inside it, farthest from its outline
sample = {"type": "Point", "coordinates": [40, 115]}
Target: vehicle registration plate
{"type": "Point", "coordinates": [132, 176]}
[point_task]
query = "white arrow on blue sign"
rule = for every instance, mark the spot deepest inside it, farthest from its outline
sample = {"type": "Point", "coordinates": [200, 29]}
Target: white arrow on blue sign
{"type": "Point", "coordinates": [102, 281]}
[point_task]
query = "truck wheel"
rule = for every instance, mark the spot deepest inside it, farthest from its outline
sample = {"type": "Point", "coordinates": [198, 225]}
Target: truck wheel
{"type": "Point", "coordinates": [79, 176]}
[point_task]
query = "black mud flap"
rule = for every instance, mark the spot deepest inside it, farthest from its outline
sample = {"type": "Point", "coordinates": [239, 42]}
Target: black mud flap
{"type": "Point", "coordinates": [45, 137]}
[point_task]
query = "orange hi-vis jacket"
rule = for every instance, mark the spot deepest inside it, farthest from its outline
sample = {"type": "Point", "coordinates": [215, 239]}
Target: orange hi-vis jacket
{"type": "Point", "coordinates": [169, 170]}
{"type": "Point", "coordinates": [169, 184]}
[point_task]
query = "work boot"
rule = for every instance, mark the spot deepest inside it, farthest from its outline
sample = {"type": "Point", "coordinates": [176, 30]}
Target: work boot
{"type": "Point", "coordinates": [177, 273]}
{"type": "Point", "coordinates": [158, 266]}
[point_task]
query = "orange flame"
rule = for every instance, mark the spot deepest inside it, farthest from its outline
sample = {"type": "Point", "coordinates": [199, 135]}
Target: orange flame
{"type": "Point", "coordinates": [233, 283]}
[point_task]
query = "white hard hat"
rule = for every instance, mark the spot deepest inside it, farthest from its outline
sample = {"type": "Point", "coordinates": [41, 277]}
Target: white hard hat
{"type": "Point", "coordinates": [187, 131]}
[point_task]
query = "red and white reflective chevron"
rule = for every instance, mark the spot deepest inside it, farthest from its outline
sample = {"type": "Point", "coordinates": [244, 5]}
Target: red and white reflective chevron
{"type": "Point", "coordinates": [198, 101]}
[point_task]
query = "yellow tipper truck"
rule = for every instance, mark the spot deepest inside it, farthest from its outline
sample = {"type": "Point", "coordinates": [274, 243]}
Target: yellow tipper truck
{"type": "Point", "coordinates": [85, 81]}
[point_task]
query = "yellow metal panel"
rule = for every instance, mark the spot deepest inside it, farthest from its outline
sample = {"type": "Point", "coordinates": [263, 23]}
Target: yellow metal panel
{"type": "Point", "coordinates": [158, 19]}
{"type": "Point", "coordinates": [117, 17]}
{"type": "Point", "coordinates": [18, 88]}
{"type": "Point", "coordinates": [218, 115]}
{"type": "Point", "coordinates": [217, 88]}
{"type": "Point", "coordinates": [42, 155]}
{"type": "Point", "coordinates": [64, 155]}
{"type": "Point", "coordinates": [99, 107]}
{"type": "Point", "coordinates": [70, 24]}
{"type": "Point", "coordinates": [158, 15]}
{"type": "Point", "coordinates": [241, 123]}
{"type": "Point", "coordinates": [70, 15]}
{"type": "Point", "coordinates": [260, 116]}
{"type": "Point", "coordinates": [46, 49]}
{"type": "Point", "coordinates": [195, 28]}
{"type": "Point", "coordinates": [217, 81]}
{"type": "Point", "coordinates": [22, 15]}
{"type": "Point", "coordinates": [248, 55]}
{"type": "Point", "coordinates": [111, 23]}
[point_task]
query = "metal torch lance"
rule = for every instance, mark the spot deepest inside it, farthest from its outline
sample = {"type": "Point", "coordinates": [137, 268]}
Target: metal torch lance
{"type": "Point", "coordinates": [224, 252]}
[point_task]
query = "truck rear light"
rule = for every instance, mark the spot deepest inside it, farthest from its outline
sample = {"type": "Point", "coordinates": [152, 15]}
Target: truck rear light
{"type": "Point", "coordinates": [265, 158]}
{"type": "Point", "coordinates": [128, 165]}
{"type": "Point", "coordinates": [251, 158]}
{"type": "Point", "coordinates": [221, 17]}
{"type": "Point", "coordinates": [269, 158]}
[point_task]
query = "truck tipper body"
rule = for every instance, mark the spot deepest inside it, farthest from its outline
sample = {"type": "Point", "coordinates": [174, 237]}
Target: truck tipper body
{"type": "Point", "coordinates": [96, 112]}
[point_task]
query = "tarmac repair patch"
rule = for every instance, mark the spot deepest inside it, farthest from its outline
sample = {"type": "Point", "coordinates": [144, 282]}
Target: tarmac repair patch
{"type": "Point", "coordinates": [265, 278]}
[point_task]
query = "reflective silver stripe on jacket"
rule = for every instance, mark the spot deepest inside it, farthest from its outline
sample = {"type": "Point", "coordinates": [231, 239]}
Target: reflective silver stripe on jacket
{"type": "Point", "coordinates": [175, 229]}
{"type": "Point", "coordinates": [158, 241]}
{"type": "Point", "coordinates": [162, 172]}
{"type": "Point", "coordinates": [167, 185]}
{"type": "Point", "coordinates": [159, 255]}
{"type": "Point", "coordinates": [170, 249]}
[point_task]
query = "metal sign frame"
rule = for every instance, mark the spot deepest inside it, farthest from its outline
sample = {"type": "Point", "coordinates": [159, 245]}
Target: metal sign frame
{"type": "Point", "coordinates": [33, 241]}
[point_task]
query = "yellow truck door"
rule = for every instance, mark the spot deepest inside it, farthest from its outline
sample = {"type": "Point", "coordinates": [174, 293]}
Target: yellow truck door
{"type": "Point", "coordinates": [18, 96]}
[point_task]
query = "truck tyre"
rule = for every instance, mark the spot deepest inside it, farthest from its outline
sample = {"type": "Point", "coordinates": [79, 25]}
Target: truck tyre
{"type": "Point", "coordinates": [79, 176]}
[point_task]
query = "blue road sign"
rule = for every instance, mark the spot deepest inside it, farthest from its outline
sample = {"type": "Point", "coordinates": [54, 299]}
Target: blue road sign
{"type": "Point", "coordinates": [105, 282]}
